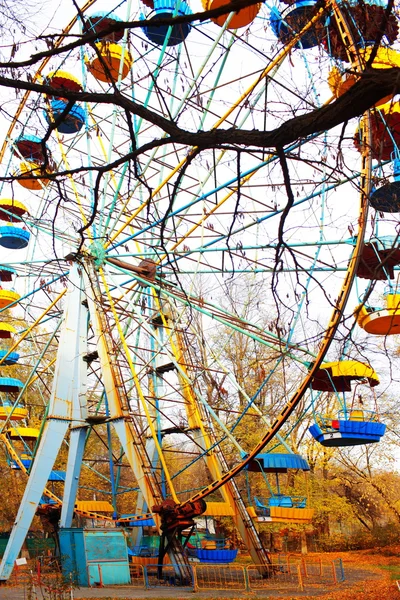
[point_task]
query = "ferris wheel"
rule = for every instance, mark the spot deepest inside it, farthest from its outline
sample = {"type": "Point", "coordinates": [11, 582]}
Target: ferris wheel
{"type": "Point", "coordinates": [133, 260]}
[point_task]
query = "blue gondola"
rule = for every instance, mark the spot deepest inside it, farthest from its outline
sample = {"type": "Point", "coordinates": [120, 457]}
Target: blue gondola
{"type": "Point", "coordinates": [277, 462]}
{"type": "Point", "coordinates": [387, 198]}
{"type": "Point", "coordinates": [218, 556]}
{"type": "Point", "coordinates": [72, 122]}
{"type": "Point", "coordinates": [14, 238]}
{"type": "Point", "coordinates": [292, 20]}
{"type": "Point", "coordinates": [166, 9]}
{"type": "Point", "coordinates": [359, 427]}
{"type": "Point", "coordinates": [279, 507]}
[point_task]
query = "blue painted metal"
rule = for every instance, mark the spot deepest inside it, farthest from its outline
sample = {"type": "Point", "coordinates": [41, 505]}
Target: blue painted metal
{"type": "Point", "coordinates": [14, 238]}
{"type": "Point", "coordinates": [278, 462]}
{"type": "Point", "coordinates": [142, 523]}
{"type": "Point", "coordinates": [216, 556]}
{"type": "Point", "coordinates": [93, 556]}
{"type": "Point", "coordinates": [25, 461]}
{"type": "Point", "coordinates": [264, 504]}
{"type": "Point", "coordinates": [164, 9]}
{"type": "Point", "coordinates": [55, 428]}
{"type": "Point", "coordinates": [72, 122]}
{"type": "Point", "coordinates": [57, 476]}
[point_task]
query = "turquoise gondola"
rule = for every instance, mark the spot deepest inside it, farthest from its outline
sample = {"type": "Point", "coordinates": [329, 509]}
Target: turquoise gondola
{"type": "Point", "coordinates": [6, 273]}
{"type": "Point", "coordinates": [13, 237]}
{"type": "Point", "coordinates": [30, 148]}
{"type": "Point", "coordinates": [10, 384]}
{"type": "Point", "coordinates": [11, 359]}
{"type": "Point", "coordinates": [166, 9]}
{"type": "Point", "coordinates": [101, 21]}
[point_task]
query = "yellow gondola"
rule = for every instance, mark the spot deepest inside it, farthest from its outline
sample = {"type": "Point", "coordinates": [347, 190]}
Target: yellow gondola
{"type": "Point", "coordinates": [61, 80]}
{"type": "Point", "coordinates": [25, 433]}
{"type": "Point", "coordinates": [31, 176]}
{"type": "Point", "coordinates": [241, 18]}
{"type": "Point", "coordinates": [377, 321]}
{"type": "Point", "coordinates": [386, 58]}
{"type": "Point", "coordinates": [10, 208]}
{"type": "Point", "coordinates": [111, 56]}
{"type": "Point", "coordinates": [8, 297]}
{"type": "Point", "coordinates": [19, 413]}
{"type": "Point", "coordinates": [6, 330]}
{"type": "Point", "coordinates": [337, 376]}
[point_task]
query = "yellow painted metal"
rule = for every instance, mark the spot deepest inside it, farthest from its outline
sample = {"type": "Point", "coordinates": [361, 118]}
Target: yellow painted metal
{"type": "Point", "coordinates": [219, 509]}
{"type": "Point", "coordinates": [196, 421]}
{"type": "Point", "coordinates": [365, 186]}
{"type": "Point", "coordinates": [210, 212]}
{"type": "Point", "coordinates": [241, 18]}
{"type": "Point", "coordinates": [41, 372]}
{"type": "Point", "coordinates": [26, 433]}
{"type": "Point", "coordinates": [385, 58]}
{"type": "Point", "coordinates": [15, 457]}
{"type": "Point", "coordinates": [58, 502]}
{"type": "Point", "coordinates": [31, 327]}
{"type": "Point", "coordinates": [345, 32]}
{"type": "Point", "coordinates": [31, 176]}
{"type": "Point", "coordinates": [280, 514]}
{"type": "Point", "coordinates": [70, 176]}
{"type": "Point", "coordinates": [65, 76]}
{"type": "Point", "coordinates": [356, 415]}
{"type": "Point", "coordinates": [94, 506]}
